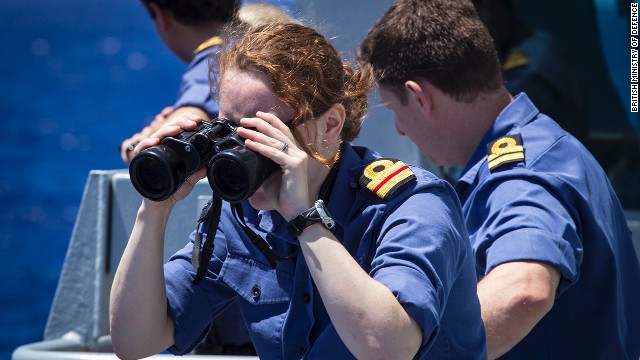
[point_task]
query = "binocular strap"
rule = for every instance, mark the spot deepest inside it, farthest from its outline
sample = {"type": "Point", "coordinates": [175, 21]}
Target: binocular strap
{"type": "Point", "coordinates": [258, 241]}
{"type": "Point", "coordinates": [211, 211]}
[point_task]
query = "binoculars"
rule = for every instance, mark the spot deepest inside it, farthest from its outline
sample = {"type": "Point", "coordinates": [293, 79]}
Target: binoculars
{"type": "Point", "coordinates": [234, 172]}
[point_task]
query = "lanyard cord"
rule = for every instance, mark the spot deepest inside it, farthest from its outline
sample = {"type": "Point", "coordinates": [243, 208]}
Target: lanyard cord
{"type": "Point", "coordinates": [212, 212]}
{"type": "Point", "coordinates": [258, 241]}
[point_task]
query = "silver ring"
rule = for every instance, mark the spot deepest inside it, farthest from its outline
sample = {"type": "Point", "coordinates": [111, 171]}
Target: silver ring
{"type": "Point", "coordinates": [284, 148]}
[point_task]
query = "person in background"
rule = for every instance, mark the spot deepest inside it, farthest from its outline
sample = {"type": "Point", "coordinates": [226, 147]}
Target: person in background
{"type": "Point", "coordinates": [339, 254]}
{"type": "Point", "coordinates": [534, 62]}
{"type": "Point", "coordinates": [195, 30]}
{"type": "Point", "coordinates": [557, 271]}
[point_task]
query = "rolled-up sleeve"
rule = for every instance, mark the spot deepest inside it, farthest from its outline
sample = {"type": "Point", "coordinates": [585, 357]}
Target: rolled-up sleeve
{"type": "Point", "coordinates": [523, 220]}
{"type": "Point", "coordinates": [420, 251]}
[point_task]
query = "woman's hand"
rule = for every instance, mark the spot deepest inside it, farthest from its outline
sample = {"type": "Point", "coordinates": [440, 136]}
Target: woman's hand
{"type": "Point", "coordinates": [172, 128]}
{"type": "Point", "coordinates": [287, 192]}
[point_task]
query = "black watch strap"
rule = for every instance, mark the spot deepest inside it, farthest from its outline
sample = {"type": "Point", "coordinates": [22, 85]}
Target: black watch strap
{"type": "Point", "coordinates": [317, 214]}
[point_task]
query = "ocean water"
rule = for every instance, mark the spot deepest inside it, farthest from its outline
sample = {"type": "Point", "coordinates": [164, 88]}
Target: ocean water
{"type": "Point", "coordinates": [77, 77]}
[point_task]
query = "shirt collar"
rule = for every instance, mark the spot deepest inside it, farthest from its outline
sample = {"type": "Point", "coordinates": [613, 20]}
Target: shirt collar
{"type": "Point", "coordinates": [517, 114]}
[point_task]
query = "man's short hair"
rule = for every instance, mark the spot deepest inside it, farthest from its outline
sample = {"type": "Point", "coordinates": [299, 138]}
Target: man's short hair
{"type": "Point", "coordinates": [198, 12]}
{"type": "Point", "coordinates": [441, 41]}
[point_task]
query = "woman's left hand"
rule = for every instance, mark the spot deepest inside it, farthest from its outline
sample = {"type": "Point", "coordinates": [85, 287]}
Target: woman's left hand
{"type": "Point", "coordinates": [287, 192]}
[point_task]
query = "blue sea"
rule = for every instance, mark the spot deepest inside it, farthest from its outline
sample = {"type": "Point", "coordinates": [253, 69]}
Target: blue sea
{"type": "Point", "coordinates": [77, 77]}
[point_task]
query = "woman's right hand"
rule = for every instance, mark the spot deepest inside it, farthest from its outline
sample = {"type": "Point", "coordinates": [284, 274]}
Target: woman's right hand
{"type": "Point", "coordinates": [172, 128]}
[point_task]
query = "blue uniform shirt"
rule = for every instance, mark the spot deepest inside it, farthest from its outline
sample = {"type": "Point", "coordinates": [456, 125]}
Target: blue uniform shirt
{"type": "Point", "coordinates": [414, 243]}
{"type": "Point", "coordinates": [557, 207]}
{"type": "Point", "coordinates": [195, 89]}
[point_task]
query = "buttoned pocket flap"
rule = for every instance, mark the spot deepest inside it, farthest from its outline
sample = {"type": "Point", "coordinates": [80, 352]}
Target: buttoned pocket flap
{"type": "Point", "coordinates": [255, 282]}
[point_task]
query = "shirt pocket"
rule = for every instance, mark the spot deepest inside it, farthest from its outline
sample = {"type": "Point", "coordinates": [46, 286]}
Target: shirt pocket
{"type": "Point", "coordinates": [257, 283]}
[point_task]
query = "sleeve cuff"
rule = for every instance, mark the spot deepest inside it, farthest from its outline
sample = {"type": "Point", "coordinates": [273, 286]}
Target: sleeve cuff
{"type": "Point", "coordinates": [405, 287]}
{"type": "Point", "coordinates": [536, 245]}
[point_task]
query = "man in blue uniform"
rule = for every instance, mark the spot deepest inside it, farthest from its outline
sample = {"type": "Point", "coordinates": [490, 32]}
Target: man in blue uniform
{"type": "Point", "coordinates": [193, 31]}
{"type": "Point", "coordinates": [339, 254]}
{"type": "Point", "coordinates": [558, 275]}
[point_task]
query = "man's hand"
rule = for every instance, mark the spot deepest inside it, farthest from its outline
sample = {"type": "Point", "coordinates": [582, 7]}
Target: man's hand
{"type": "Point", "coordinates": [127, 146]}
{"type": "Point", "coordinates": [167, 114]}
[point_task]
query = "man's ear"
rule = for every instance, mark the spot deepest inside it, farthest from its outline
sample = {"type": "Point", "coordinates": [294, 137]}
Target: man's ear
{"type": "Point", "coordinates": [420, 94]}
{"type": "Point", "coordinates": [163, 18]}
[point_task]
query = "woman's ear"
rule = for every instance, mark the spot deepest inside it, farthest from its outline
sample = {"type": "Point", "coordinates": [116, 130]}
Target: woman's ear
{"type": "Point", "coordinates": [332, 123]}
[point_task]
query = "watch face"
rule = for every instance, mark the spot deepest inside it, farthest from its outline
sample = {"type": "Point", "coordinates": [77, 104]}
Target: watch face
{"type": "Point", "coordinates": [326, 219]}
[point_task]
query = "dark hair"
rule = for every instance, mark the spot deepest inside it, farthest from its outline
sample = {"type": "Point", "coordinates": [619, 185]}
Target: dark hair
{"type": "Point", "coordinates": [307, 74]}
{"type": "Point", "coordinates": [442, 41]}
{"type": "Point", "coordinates": [198, 12]}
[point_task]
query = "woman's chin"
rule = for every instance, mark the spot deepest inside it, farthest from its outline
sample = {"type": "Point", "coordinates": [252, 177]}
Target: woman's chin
{"type": "Point", "coordinates": [259, 202]}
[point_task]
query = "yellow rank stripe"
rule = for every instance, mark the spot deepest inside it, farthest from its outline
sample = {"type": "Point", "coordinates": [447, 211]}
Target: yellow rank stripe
{"type": "Point", "coordinates": [214, 41]}
{"type": "Point", "coordinates": [515, 60]}
{"type": "Point", "coordinates": [510, 150]}
{"type": "Point", "coordinates": [507, 149]}
{"type": "Point", "coordinates": [501, 159]}
{"type": "Point", "coordinates": [386, 181]}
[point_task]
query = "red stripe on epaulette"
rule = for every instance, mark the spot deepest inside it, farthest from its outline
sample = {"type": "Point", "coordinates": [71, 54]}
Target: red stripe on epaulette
{"type": "Point", "coordinates": [390, 177]}
{"type": "Point", "coordinates": [385, 176]}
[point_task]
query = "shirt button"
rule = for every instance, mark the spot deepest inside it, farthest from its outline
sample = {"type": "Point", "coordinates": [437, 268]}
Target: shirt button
{"type": "Point", "coordinates": [302, 351]}
{"type": "Point", "coordinates": [255, 292]}
{"type": "Point", "coordinates": [306, 298]}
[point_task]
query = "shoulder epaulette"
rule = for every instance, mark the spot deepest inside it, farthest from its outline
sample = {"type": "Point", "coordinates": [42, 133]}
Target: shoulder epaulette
{"type": "Point", "coordinates": [213, 41]}
{"type": "Point", "coordinates": [507, 149]}
{"type": "Point", "coordinates": [385, 176]}
{"type": "Point", "coordinates": [515, 60]}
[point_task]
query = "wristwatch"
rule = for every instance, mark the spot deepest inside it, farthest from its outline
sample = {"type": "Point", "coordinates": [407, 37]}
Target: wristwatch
{"type": "Point", "coordinates": [317, 214]}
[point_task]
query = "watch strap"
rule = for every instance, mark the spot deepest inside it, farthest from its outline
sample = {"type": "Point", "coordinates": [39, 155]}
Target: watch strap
{"type": "Point", "coordinates": [314, 215]}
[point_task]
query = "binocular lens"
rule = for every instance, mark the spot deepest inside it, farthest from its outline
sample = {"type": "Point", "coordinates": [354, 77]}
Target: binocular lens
{"type": "Point", "coordinates": [229, 178]}
{"type": "Point", "coordinates": [235, 174]}
{"type": "Point", "coordinates": [154, 174]}
{"type": "Point", "coordinates": [154, 178]}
